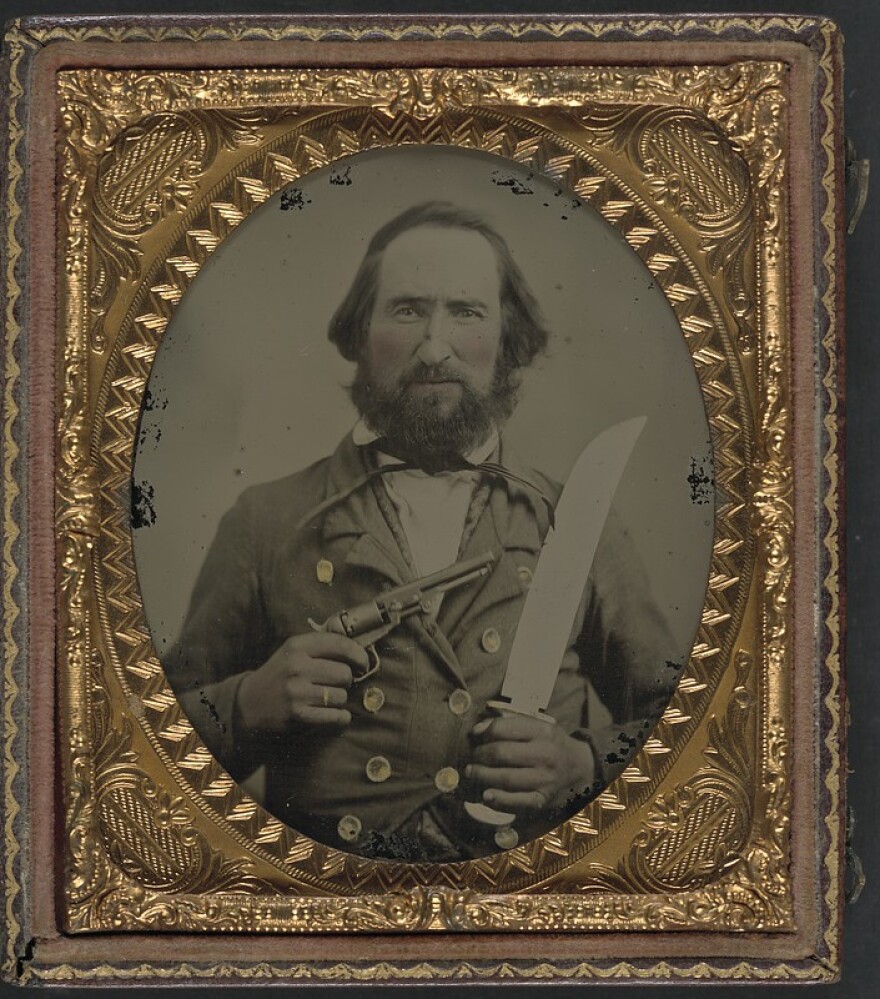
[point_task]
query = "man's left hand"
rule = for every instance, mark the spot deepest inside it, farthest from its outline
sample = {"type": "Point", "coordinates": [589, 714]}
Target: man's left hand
{"type": "Point", "coordinates": [525, 764]}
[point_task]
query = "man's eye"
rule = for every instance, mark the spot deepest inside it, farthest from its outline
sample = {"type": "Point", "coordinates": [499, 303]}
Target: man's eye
{"type": "Point", "coordinates": [465, 312]}
{"type": "Point", "coordinates": [406, 312]}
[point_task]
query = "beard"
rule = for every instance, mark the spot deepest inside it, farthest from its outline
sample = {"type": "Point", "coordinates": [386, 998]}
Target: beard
{"type": "Point", "coordinates": [427, 429]}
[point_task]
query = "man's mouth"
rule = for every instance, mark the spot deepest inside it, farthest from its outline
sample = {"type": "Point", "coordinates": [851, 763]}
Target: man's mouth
{"type": "Point", "coordinates": [433, 386]}
{"type": "Point", "coordinates": [427, 377]}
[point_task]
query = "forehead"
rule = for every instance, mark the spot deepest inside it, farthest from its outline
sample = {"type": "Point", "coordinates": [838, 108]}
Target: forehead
{"type": "Point", "coordinates": [440, 259]}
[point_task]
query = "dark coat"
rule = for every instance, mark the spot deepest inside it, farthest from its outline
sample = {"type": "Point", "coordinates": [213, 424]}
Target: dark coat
{"type": "Point", "coordinates": [260, 584]}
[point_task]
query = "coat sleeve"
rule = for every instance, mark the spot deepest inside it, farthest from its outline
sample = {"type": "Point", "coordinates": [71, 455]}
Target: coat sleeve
{"type": "Point", "coordinates": [626, 652]}
{"type": "Point", "coordinates": [225, 634]}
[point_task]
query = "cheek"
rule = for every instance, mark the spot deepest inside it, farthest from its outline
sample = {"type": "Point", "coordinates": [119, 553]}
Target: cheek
{"type": "Point", "coordinates": [387, 348]}
{"type": "Point", "coordinates": [480, 349]}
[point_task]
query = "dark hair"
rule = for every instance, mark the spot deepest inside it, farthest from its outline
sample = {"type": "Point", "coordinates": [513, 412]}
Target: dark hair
{"type": "Point", "coordinates": [523, 334]}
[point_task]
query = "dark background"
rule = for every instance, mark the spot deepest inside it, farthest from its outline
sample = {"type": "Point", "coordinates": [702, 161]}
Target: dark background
{"type": "Point", "coordinates": [860, 22]}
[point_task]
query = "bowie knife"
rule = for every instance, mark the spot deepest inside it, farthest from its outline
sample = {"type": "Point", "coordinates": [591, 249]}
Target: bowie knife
{"type": "Point", "coordinates": [544, 630]}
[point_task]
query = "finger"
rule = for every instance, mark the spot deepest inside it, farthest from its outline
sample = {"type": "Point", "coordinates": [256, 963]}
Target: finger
{"type": "Point", "coordinates": [511, 728]}
{"type": "Point", "coordinates": [325, 696]}
{"type": "Point", "coordinates": [515, 801]}
{"type": "Point", "coordinates": [327, 644]}
{"type": "Point", "coordinates": [336, 717]}
{"type": "Point", "coordinates": [508, 778]}
{"type": "Point", "coordinates": [520, 728]}
{"type": "Point", "coordinates": [510, 754]}
{"type": "Point", "coordinates": [327, 671]}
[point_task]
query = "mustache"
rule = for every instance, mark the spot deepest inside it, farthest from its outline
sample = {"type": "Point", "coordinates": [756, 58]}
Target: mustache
{"type": "Point", "coordinates": [432, 373]}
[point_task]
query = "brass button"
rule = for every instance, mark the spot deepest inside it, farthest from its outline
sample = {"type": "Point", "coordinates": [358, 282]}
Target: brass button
{"type": "Point", "coordinates": [324, 571]}
{"type": "Point", "coordinates": [506, 837]}
{"type": "Point", "coordinates": [446, 779]}
{"type": "Point", "coordinates": [525, 574]}
{"type": "Point", "coordinates": [378, 769]}
{"type": "Point", "coordinates": [374, 698]}
{"type": "Point", "coordinates": [491, 640]}
{"type": "Point", "coordinates": [460, 702]}
{"type": "Point", "coordinates": [349, 828]}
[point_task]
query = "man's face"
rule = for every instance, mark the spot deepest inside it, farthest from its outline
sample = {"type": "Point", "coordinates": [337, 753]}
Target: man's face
{"type": "Point", "coordinates": [435, 329]}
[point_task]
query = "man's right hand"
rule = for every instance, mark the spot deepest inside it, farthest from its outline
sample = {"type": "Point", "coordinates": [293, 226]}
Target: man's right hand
{"type": "Point", "coordinates": [304, 683]}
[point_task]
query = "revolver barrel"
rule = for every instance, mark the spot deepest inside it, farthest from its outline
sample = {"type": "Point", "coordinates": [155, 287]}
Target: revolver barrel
{"type": "Point", "coordinates": [446, 579]}
{"type": "Point", "coordinates": [379, 616]}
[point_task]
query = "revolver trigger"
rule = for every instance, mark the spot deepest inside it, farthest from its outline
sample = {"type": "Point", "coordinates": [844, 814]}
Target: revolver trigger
{"type": "Point", "coordinates": [375, 662]}
{"type": "Point", "coordinates": [315, 626]}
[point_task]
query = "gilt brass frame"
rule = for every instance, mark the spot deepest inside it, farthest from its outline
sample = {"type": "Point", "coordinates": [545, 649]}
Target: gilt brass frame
{"type": "Point", "coordinates": [696, 161]}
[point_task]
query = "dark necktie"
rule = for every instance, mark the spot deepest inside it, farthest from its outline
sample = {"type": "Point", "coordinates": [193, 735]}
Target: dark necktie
{"type": "Point", "coordinates": [434, 464]}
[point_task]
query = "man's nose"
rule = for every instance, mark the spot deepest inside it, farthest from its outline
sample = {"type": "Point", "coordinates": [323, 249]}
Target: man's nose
{"type": "Point", "coordinates": [435, 346]}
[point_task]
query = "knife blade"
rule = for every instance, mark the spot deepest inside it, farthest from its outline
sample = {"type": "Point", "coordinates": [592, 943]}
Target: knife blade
{"type": "Point", "coordinates": [564, 565]}
{"type": "Point", "coordinates": [565, 562]}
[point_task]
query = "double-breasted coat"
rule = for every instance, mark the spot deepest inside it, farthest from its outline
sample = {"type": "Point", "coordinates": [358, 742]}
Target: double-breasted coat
{"type": "Point", "coordinates": [370, 786]}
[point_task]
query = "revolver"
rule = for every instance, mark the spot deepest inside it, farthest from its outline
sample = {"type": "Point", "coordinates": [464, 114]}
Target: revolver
{"type": "Point", "coordinates": [368, 622]}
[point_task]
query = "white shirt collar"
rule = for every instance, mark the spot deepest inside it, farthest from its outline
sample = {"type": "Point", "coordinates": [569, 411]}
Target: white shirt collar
{"type": "Point", "coordinates": [361, 435]}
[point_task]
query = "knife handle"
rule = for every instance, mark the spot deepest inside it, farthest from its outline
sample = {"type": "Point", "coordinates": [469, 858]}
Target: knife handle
{"type": "Point", "coordinates": [507, 708]}
{"type": "Point", "coordinates": [505, 835]}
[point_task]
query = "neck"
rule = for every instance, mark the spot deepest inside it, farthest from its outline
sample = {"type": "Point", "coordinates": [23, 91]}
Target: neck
{"type": "Point", "coordinates": [438, 459]}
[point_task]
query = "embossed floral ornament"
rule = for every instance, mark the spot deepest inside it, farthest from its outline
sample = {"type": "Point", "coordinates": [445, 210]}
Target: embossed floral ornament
{"type": "Point", "coordinates": [168, 811]}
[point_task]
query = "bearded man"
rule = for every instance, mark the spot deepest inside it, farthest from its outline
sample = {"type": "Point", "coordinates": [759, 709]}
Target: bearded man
{"type": "Point", "coordinates": [440, 323]}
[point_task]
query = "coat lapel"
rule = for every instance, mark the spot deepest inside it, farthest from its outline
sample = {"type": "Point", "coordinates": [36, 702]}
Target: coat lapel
{"type": "Point", "coordinates": [373, 547]}
{"type": "Point", "coordinates": [358, 519]}
{"type": "Point", "coordinates": [514, 521]}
